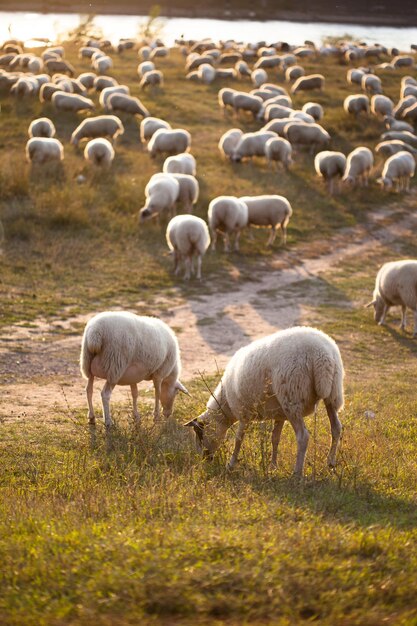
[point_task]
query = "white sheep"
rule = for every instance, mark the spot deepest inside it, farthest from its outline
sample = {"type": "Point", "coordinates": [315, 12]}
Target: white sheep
{"type": "Point", "coordinates": [399, 169]}
{"type": "Point", "coordinates": [227, 215]}
{"type": "Point", "coordinates": [41, 127]}
{"type": "Point", "coordinates": [228, 142]}
{"type": "Point", "coordinates": [356, 104]}
{"type": "Point", "coordinates": [187, 237]}
{"type": "Point", "coordinates": [381, 105]}
{"type": "Point", "coordinates": [188, 192]}
{"type": "Point", "coordinates": [402, 105]}
{"type": "Point", "coordinates": [161, 194]}
{"type": "Point", "coordinates": [44, 149]}
{"type": "Point", "coordinates": [371, 83]}
{"type": "Point", "coordinates": [280, 377]}
{"type": "Point", "coordinates": [183, 163]}
{"type": "Point", "coordinates": [293, 72]}
{"type": "Point", "coordinates": [358, 166]}
{"type": "Point", "coordinates": [225, 98]}
{"type": "Point", "coordinates": [71, 102]}
{"type": "Point", "coordinates": [314, 109]}
{"type": "Point", "coordinates": [123, 349]}
{"type": "Point", "coordinates": [206, 73]}
{"type": "Point", "coordinates": [247, 103]}
{"type": "Point", "coordinates": [99, 152]}
{"type": "Point", "coordinates": [303, 134]}
{"type": "Point", "coordinates": [108, 91]}
{"type": "Point", "coordinates": [169, 141]}
{"type": "Point", "coordinates": [152, 79]}
{"type": "Point", "coordinates": [258, 77]}
{"type": "Point", "coordinates": [396, 284]}
{"type": "Point", "coordinates": [145, 66]}
{"type": "Point", "coordinates": [250, 145]}
{"type": "Point", "coordinates": [100, 126]}
{"type": "Point", "coordinates": [101, 82]}
{"type": "Point", "coordinates": [149, 126]}
{"type": "Point", "coordinates": [410, 112]}
{"type": "Point", "coordinates": [392, 124]}
{"type": "Point", "coordinates": [390, 147]}
{"type": "Point", "coordinates": [87, 79]}
{"type": "Point", "coordinates": [402, 135]}
{"type": "Point", "coordinates": [269, 211]}
{"type": "Point", "coordinates": [102, 64]}
{"type": "Point", "coordinates": [330, 166]}
{"type": "Point", "coordinates": [307, 83]}
{"type": "Point", "coordinates": [278, 150]}
{"type": "Point", "coordinates": [126, 104]}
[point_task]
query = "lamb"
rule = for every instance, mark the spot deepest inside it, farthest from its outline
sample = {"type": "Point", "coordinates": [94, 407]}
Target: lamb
{"type": "Point", "coordinates": [108, 91]}
{"type": "Point", "coordinates": [278, 150]}
{"type": "Point", "coordinates": [399, 168]}
{"type": "Point", "coordinates": [358, 166]}
{"type": "Point", "coordinates": [269, 211]}
{"type": "Point", "coordinates": [314, 109]}
{"type": "Point", "coordinates": [251, 144]}
{"type": "Point", "coordinates": [187, 237]}
{"type": "Point", "coordinates": [149, 126]}
{"type": "Point", "coordinates": [71, 102]}
{"type": "Point", "coordinates": [371, 83]}
{"type": "Point", "coordinates": [330, 166]}
{"type": "Point", "coordinates": [312, 135]}
{"type": "Point", "coordinates": [161, 194]}
{"type": "Point", "coordinates": [381, 105]}
{"type": "Point", "coordinates": [280, 377]}
{"type": "Point", "coordinates": [126, 104]}
{"type": "Point", "coordinates": [396, 284]}
{"type": "Point", "coordinates": [99, 152]}
{"type": "Point", "coordinates": [180, 164]}
{"type": "Point", "coordinates": [304, 83]}
{"type": "Point", "coordinates": [41, 127]}
{"type": "Point", "coordinates": [44, 149]}
{"type": "Point", "coordinates": [356, 104]}
{"type": "Point", "coordinates": [168, 141]}
{"type": "Point", "coordinates": [258, 77]}
{"type": "Point", "coordinates": [100, 126]}
{"type": "Point", "coordinates": [227, 215]}
{"type": "Point", "coordinates": [228, 142]}
{"type": "Point", "coordinates": [152, 79]}
{"type": "Point", "coordinates": [388, 148]}
{"type": "Point", "coordinates": [123, 349]}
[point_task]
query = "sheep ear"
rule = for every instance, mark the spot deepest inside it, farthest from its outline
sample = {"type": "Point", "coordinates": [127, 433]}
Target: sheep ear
{"type": "Point", "coordinates": [180, 387]}
{"type": "Point", "coordinates": [370, 304]}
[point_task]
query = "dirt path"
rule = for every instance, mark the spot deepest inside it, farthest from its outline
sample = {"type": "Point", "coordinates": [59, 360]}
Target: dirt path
{"type": "Point", "coordinates": [39, 361]}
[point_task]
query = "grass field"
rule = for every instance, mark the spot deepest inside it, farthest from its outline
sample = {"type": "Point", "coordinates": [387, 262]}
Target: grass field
{"type": "Point", "coordinates": [132, 527]}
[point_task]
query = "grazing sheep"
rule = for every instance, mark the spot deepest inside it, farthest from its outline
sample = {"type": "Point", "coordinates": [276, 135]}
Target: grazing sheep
{"type": "Point", "coordinates": [371, 83]}
{"type": "Point", "coordinates": [47, 90]}
{"type": "Point", "coordinates": [180, 164]}
{"type": "Point", "coordinates": [188, 190]}
{"type": "Point", "coordinates": [187, 237]}
{"type": "Point", "coordinates": [242, 68]}
{"type": "Point", "coordinates": [159, 52]}
{"type": "Point", "coordinates": [227, 215]}
{"type": "Point", "coordinates": [227, 73]}
{"type": "Point", "coordinates": [145, 66]}
{"type": "Point", "coordinates": [408, 90]}
{"type": "Point", "coordinates": [269, 211]}
{"type": "Point", "coordinates": [168, 141]}
{"type": "Point", "coordinates": [100, 126]}
{"type": "Point", "coordinates": [403, 60]}
{"type": "Point", "coordinates": [300, 115]}
{"type": "Point", "coordinates": [402, 105]}
{"type": "Point", "coordinates": [280, 377]}
{"type": "Point", "coordinates": [312, 135]}
{"type": "Point", "coordinates": [228, 142]}
{"type": "Point", "coordinates": [258, 77]}
{"type": "Point", "coordinates": [278, 150]}
{"type": "Point", "coordinates": [246, 102]}
{"type": "Point", "coordinates": [307, 83]}
{"type": "Point", "coordinates": [87, 79]}
{"type": "Point", "coordinates": [44, 149]}
{"type": "Point", "coordinates": [278, 126]}
{"type": "Point", "coordinates": [149, 126]}
{"type": "Point", "coordinates": [101, 82]}
{"type": "Point", "coordinates": [71, 102]}
{"type": "Point", "coordinates": [59, 65]}
{"type": "Point", "coordinates": [206, 73]}
{"type": "Point", "coordinates": [123, 349]}
{"type": "Point", "coordinates": [108, 91]}
{"type": "Point", "coordinates": [411, 112]}
{"type": "Point", "coordinates": [392, 124]}
{"type": "Point", "coordinates": [403, 135]}
{"type": "Point", "coordinates": [356, 104]}
{"type": "Point", "coordinates": [275, 112]}
{"type": "Point", "coordinates": [388, 148]}
{"type": "Point", "coordinates": [330, 166]}
{"type": "Point", "coordinates": [398, 169]}
{"type": "Point", "coordinates": [225, 98]}
{"type": "Point", "coordinates": [250, 145]}
{"type": "Point", "coordinates": [293, 72]}
{"type": "Point", "coordinates": [152, 79]}
{"type": "Point", "coordinates": [161, 194]}
{"type": "Point", "coordinates": [358, 166]}
{"type": "Point", "coordinates": [102, 64]}
{"type": "Point", "coordinates": [99, 152]}
{"type": "Point", "coordinates": [122, 103]}
{"type": "Point", "coordinates": [314, 109]}
{"type": "Point", "coordinates": [381, 105]}
{"type": "Point", "coordinates": [41, 127]}
{"type": "Point", "coordinates": [268, 62]}
{"type": "Point", "coordinates": [396, 284]}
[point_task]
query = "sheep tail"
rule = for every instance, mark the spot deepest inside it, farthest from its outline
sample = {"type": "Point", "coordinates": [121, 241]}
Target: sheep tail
{"type": "Point", "coordinates": [91, 345]}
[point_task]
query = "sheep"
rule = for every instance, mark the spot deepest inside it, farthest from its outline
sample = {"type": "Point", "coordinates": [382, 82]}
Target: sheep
{"type": "Point", "coordinates": [277, 126]}
{"type": "Point", "coordinates": [159, 52]}
{"type": "Point", "coordinates": [258, 77]}
{"type": "Point", "coordinates": [250, 145]}
{"type": "Point", "coordinates": [99, 152]}
{"type": "Point", "coordinates": [87, 79]}
{"type": "Point", "coordinates": [161, 194]}
{"type": "Point", "coordinates": [403, 61]}
{"type": "Point", "coordinates": [227, 215]}
{"type": "Point", "coordinates": [268, 62]}
{"type": "Point", "coordinates": [144, 52]}
{"type": "Point", "coordinates": [269, 211]}
{"type": "Point", "coordinates": [187, 237]}
{"type": "Point", "coordinates": [228, 142]}
{"type": "Point", "coordinates": [145, 66]}
{"type": "Point", "coordinates": [301, 115]}
{"type": "Point", "coordinates": [123, 349]}
{"type": "Point", "coordinates": [41, 127]}
{"type": "Point", "coordinates": [59, 65]}
{"type": "Point", "coordinates": [395, 284]}
{"type": "Point", "coordinates": [152, 79]}
{"type": "Point", "coordinates": [108, 91]}
{"type": "Point", "coordinates": [304, 83]}
{"type": "Point", "coordinates": [100, 126]}
{"type": "Point", "coordinates": [356, 104]}
{"type": "Point", "coordinates": [44, 149]}
{"type": "Point", "coordinates": [35, 65]}
{"type": "Point", "coordinates": [101, 82]}
{"type": "Point", "coordinates": [281, 377]}
{"type": "Point", "coordinates": [314, 109]}
{"type": "Point", "coordinates": [312, 135]}
{"type": "Point", "coordinates": [246, 102]}
{"type": "Point", "coordinates": [47, 90]}
{"type": "Point", "coordinates": [278, 149]}
{"type": "Point", "coordinates": [227, 73]}
{"type": "Point", "coordinates": [225, 98]}
{"type": "Point", "coordinates": [180, 164]}
{"type": "Point", "coordinates": [411, 112]}
{"type": "Point", "coordinates": [188, 190]}
{"type": "Point", "coordinates": [24, 87]}
{"type": "Point", "coordinates": [71, 102]}
{"type": "Point", "coordinates": [388, 148]}
{"type": "Point", "coordinates": [408, 90]}
{"type": "Point", "coordinates": [392, 124]}
{"type": "Point", "coordinates": [275, 112]}
{"type": "Point", "coordinates": [403, 135]}
{"type": "Point", "coordinates": [126, 104]}
{"type": "Point", "coordinates": [402, 105]}
{"type": "Point", "coordinates": [169, 141]}
{"type": "Point", "coordinates": [102, 64]}
{"type": "Point", "coordinates": [149, 126]}
{"type": "Point", "coordinates": [398, 168]}
{"type": "Point", "coordinates": [358, 166]}
{"type": "Point", "coordinates": [381, 105]}
{"type": "Point", "coordinates": [242, 68]}
{"type": "Point", "coordinates": [293, 72]}
{"type": "Point", "coordinates": [371, 83]}
{"type": "Point", "coordinates": [206, 73]}
{"type": "Point", "coordinates": [330, 166]}
{"type": "Point", "coordinates": [86, 52]}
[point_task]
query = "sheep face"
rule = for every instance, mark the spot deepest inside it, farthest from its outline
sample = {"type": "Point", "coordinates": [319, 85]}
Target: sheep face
{"type": "Point", "coordinates": [379, 307]}
{"type": "Point", "coordinates": [169, 390]}
{"type": "Point", "coordinates": [210, 430]}
{"type": "Point", "coordinates": [386, 183]}
{"type": "Point", "coordinates": [146, 213]}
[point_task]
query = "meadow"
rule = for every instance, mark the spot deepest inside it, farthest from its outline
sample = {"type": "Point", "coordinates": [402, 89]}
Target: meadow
{"type": "Point", "coordinates": [132, 526]}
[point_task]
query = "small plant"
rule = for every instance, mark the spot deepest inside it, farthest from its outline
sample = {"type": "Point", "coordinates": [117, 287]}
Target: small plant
{"type": "Point", "coordinates": [153, 26]}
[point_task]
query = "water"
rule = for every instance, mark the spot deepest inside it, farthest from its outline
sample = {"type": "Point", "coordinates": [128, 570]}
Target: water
{"type": "Point", "coordinates": [52, 26]}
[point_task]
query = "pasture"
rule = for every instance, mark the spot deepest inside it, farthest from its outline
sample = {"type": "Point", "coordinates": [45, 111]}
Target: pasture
{"type": "Point", "coordinates": [132, 526]}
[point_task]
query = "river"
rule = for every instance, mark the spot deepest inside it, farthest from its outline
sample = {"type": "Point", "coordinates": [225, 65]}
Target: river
{"type": "Point", "coordinates": [52, 26]}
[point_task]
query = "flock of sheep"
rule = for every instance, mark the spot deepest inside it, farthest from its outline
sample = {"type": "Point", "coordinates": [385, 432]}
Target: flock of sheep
{"type": "Point", "coordinates": [284, 375]}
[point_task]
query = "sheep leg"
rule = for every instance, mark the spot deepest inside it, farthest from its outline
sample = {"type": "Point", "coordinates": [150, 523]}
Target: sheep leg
{"type": "Point", "coordinates": [187, 263]}
{"type": "Point", "coordinates": [237, 236]}
{"type": "Point", "coordinates": [105, 400]}
{"type": "Point", "coordinates": [238, 443]}
{"type": "Point", "coordinates": [213, 239]}
{"type": "Point", "coordinates": [89, 390]}
{"type": "Point", "coordinates": [157, 386]}
{"type": "Point", "coordinates": [302, 436]}
{"type": "Point", "coordinates": [226, 242]}
{"type": "Point", "coordinates": [415, 324]}
{"type": "Point", "coordinates": [176, 262]}
{"type": "Point", "coordinates": [403, 317]}
{"type": "Point", "coordinates": [199, 267]}
{"type": "Point", "coordinates": [135, 393]}
{"type": "Point", "coordinates": [272, 236]}
{"type": "Point", "coordinates": [276, 436]}
{"type": "Point", "coordinates": [336, 428]}
{"type": "Point", "coordinates": [384, 313]}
